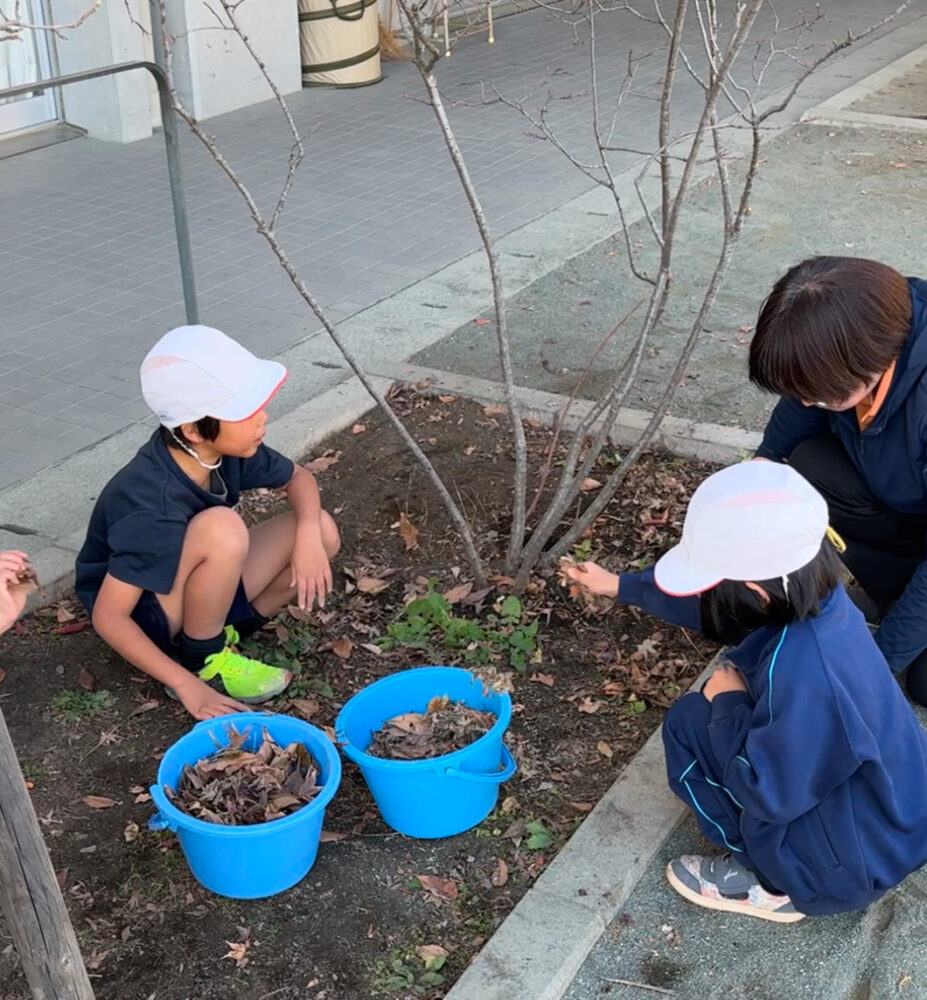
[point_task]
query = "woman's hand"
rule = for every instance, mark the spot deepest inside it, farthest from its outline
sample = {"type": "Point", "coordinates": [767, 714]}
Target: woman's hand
{"type": "Point", "coordinates": [725, 678]}
{"type": "Point", "coordinates": [12, 592]}
{"type": "Point", "coordinates": [592, 577]}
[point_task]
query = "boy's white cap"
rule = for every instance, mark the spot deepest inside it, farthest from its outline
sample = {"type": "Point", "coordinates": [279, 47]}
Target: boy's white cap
{"type": "Point", "coordinates": [752, 521]}
{"type": "Point", "coordinates": [195, 371]}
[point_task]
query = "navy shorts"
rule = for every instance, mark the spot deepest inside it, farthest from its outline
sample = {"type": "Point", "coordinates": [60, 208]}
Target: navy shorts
{"type": "Point", "coordinates": [150, 617]}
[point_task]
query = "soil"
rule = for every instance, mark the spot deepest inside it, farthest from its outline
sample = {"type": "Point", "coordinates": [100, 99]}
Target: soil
{"type": "Point", "coordinates": [352, 928]}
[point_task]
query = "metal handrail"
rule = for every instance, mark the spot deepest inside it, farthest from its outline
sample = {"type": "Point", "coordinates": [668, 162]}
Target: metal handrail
{"type": "Point", "coordinates": [171, 148]}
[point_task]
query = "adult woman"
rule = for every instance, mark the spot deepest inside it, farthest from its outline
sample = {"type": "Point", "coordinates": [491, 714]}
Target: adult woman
{"type": "Point", "coordinates": [842, 340]}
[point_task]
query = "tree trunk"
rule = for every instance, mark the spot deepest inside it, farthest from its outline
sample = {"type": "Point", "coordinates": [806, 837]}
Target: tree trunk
{"type": "Point", "coordinates": [29, 894]}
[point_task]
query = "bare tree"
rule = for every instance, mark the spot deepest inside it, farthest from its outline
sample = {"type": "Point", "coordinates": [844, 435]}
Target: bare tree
{"type": "Point", "coordinates": [13, 22]}
{"type": "Point", "coordinates": [729, 102]}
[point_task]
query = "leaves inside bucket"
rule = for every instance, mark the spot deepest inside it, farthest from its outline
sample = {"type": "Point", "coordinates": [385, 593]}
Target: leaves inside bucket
{"type": "Point", "coordinates": [237, 787]}
{"type": "Point", "coordinates": [443, 727]}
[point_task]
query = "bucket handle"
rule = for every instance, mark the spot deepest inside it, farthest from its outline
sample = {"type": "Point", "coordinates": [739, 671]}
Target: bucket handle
{"type": "Point", "coordinates": [159, 821]}
{"type": "Point", "coordinates": [510, 766]}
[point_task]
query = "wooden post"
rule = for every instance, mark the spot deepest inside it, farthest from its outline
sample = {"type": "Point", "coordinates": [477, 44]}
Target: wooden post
{"type": "Point", "coordinates": [30, 897]}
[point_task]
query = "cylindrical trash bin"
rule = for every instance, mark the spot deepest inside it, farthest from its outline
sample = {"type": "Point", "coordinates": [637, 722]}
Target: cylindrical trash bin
{"type": "Point", "coordinates": [339, 42]}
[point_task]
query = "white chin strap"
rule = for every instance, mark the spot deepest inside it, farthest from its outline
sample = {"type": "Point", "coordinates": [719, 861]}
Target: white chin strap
{"type": "Point", "coordinates": [192, 453]}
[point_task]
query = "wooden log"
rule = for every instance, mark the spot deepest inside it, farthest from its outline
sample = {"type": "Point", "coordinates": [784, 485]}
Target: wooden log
{"type": "Point", "coordinates": [30, 897]}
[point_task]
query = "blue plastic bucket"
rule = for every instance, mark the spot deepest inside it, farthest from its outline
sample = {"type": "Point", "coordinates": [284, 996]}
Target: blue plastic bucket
{"type": "Point", "coordinates": [439, 796]}
{"type": "Point", "coordinates": [247, 862]}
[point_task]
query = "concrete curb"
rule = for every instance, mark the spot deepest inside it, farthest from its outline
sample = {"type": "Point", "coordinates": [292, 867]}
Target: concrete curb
{"type": "Point", "coordinates": [835, 110]}
{"type": "Point", "coordinates": [542, 943]}
{"type": "Point", "coordinates": [687, 438]}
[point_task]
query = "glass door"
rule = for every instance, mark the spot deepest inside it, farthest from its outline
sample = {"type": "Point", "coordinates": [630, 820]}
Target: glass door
{"type": "Point", "coordinates": [23, 60]}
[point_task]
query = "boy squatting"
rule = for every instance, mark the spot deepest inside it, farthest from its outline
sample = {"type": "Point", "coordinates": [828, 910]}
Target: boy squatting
{"type": "Point", "coordinates": [169, 573]}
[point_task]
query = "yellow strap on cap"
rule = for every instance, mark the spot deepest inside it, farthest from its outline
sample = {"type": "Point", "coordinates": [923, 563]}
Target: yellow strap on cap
{"type": "Point", "coordinates": [838, 543]}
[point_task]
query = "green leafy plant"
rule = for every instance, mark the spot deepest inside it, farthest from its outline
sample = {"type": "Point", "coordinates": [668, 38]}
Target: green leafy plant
{"type": "Point", "coordinates": [428, 622]}
{"type": "Point", "coordinates": [539, 837]}
{"type": "Point", "coordinates": [74, 704]}
{"type": "Point", "coordinates": [409, 974]}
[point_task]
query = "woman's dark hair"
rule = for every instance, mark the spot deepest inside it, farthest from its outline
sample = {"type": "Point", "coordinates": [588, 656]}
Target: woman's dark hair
{"type": "Point", "coordinates": [830, 325]}
{"type": "Point", "coordinates": [731, 610]}
{"type": "Point", "coordinates": [207, 428]}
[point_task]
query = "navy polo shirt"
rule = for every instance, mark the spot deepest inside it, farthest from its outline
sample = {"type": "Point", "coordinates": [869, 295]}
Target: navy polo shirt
{"type": "Point", "coordinates": [138, 522]}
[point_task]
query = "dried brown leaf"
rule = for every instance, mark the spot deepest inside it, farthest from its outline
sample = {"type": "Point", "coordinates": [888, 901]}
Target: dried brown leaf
{"type": "Point", "coordinates": [64, 615]}
{"type": "Point", "coordinates": [408, 531]}
{"type": "Point", "coordinates": [358, 428]}
{"type": "Point", "coordinates": [500, 874]}
{"type": "Point", "coordinates": [457, 593]}
{"type": "Point", "coordinates": [342, 647]}
{"type": "Point", "coordinates": [131, 832]}
{"type": "Point", "coordinates": [307, 707]}
{"type": "Point", "coordinates": [604, 749]}
{"type": "Point", "coordinates": [432, 951]}
{"type": "Point", "coordinates": [483, 321]}
{"type": "Point", "coordinates": [323, 462]}
{"type": "Point", "coordinates": [146, 706]}
{"type": "Point", "coordinates": [546, 679]}
{"type": "Point", "coordinates": [26, 582]}
{"type": "Point", "coordinates": [495, 410]}
{"type": "Point", "coordinates": [99, 801]}
{"type": "Point", "coordinates": [443, 888]}
{"type": "Point", "coordinates": [86, 680]}
{"type": "Point", "coordinates": [589, 705]}
{"type": "Point", "coordinates": [589, 484]}
{"type": "Point", "coordinates": [447, 399]}
{"type": "Point", "coordinates": [371, 584]}
{"type": "Point", "coordinates": [330, 836]}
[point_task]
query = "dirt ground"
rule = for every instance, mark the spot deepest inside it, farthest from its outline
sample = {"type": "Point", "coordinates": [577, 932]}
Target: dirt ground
{"type": "Point", "coordinates": [355, 926]}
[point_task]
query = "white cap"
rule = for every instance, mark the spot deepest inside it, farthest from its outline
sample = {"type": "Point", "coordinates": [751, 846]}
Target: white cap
{"type": "Point", "coordinates": [195, 371]}
{"type": "Point", "coordinates": [752, 521]}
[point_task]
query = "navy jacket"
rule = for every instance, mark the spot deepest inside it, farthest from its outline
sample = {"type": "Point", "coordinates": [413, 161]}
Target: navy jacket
{"type": "Point", "coordinates": [824, 755]}
{"type": "Point", "coordinates": [891, 456]}
{"type": "Point", "coordinates": [139, 520]}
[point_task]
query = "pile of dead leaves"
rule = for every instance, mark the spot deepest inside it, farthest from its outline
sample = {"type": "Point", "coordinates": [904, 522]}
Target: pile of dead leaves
{"type": "Point", "coordinates": [444, 726]}
{"type": "Point", "coordinates": [239, 787]}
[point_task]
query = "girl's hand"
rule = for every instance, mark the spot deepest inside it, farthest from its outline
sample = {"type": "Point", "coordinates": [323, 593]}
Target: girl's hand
{"type": "Point", "coordinates": [725, 678]}
{"type": "Point", "coordinates": [592, 577]}
{"type": "Point", "coordinates": [12, 594]}
{"type": "Point", "coordinates": [311, 573]}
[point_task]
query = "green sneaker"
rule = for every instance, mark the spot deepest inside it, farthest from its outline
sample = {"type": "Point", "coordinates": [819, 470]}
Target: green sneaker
{"type": "Point", "coordinates": [244, 679]}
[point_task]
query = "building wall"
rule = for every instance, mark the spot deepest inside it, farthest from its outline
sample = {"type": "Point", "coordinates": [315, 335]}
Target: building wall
{"type": "Point", "coordinates": [213, 70]}
{"type": "Point", "coordinates": [116, 108]}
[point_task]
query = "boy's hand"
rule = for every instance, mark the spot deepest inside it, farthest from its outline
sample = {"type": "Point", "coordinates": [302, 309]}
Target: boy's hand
{"type": "Point", "coordinates": [204, 702]}
{"type": "Point", "coordinates": [311, 573]}
{"type": "Point", "coordinates": [725, 678]}
{"type": "Point", "coordinates": [12, 594]}
{"type": "Point", "coordinates": [592, 577]}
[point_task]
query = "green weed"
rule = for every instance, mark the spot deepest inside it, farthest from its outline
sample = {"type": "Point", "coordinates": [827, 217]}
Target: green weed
{"type": "Point", "coordinates": [75, 704]}
{"type": "Point", "coordinates": [428, 623]}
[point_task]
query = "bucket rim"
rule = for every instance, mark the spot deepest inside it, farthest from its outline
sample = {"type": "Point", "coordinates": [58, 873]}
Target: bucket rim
{"type": "Point", "coordinates": [177, 817]}
{"type": "Point", "coordinates": [364, 759]}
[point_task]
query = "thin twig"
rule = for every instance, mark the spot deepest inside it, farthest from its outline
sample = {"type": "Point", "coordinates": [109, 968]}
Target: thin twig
{"type": "Point", "coordinates": [639, 986]}
{"type": "Point", "coordinates": [295, 277]}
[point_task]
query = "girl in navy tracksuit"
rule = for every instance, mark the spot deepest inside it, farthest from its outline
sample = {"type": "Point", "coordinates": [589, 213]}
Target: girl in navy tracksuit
{"type": "Point", "coordinates": [800, 756]}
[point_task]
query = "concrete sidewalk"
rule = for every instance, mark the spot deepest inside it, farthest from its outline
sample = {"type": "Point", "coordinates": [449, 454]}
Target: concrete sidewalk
{"type": "Point", "coordinates": [89, 269]}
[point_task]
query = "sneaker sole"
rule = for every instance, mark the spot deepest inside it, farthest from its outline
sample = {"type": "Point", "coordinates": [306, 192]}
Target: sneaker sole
{"type": "Point", "coordinates": [727, 906]}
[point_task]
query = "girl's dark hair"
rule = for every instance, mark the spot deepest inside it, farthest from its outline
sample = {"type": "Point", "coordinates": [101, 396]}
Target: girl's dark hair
{"type": "Point", "coordinates": [731, 610]}
{"type": "Point", "coordinates": [207, 428]}
{"type": "Point", "coordinates": [830, 325]}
